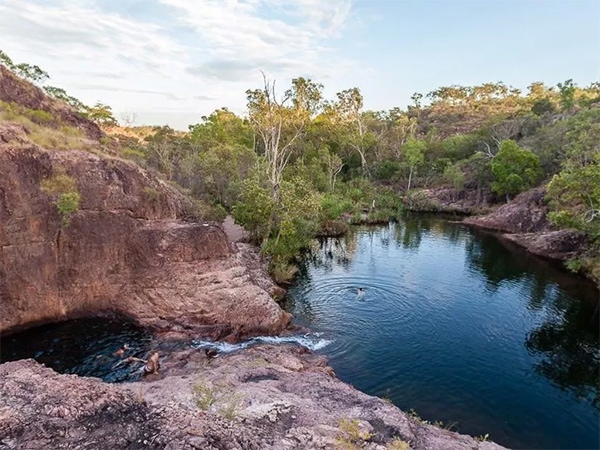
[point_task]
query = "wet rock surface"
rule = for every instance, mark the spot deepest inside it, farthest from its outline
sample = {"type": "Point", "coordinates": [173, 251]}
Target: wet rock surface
{"type": "Point", "coordinates": [265, 397]}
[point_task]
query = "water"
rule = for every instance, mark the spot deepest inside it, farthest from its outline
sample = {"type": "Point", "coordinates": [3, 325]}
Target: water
{"type": "Point", "coordinates": [459, 328]}
{"type": "Point", "coordinates": [85, 347]}
{"type": "Point", "coordinates": [312, 341]}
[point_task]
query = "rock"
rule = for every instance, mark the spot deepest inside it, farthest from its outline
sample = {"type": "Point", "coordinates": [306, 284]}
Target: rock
{"type": "Point", "coordinates": [15, 90]}
{"type": "Point", "coordinates": [126, 251]}
{"type": "Point", "coordinates": [560, 245]}
{"type": "Point", "coordinates": [445, 200]}
{"type": "Point", "coordinates": [255, 399]}
{"type": "Point", "coordinates": [525, 223]}
{"type": "Point", "coordinates": [525, 214]}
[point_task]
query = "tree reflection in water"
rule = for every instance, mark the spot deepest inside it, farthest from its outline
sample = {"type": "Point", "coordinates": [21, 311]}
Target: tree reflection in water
{"type": "Point", "coordinates": [568, 341]}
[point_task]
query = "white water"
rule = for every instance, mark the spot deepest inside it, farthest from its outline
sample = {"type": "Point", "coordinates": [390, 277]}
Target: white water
{"type": "Point", "coordinates": [310, 341]}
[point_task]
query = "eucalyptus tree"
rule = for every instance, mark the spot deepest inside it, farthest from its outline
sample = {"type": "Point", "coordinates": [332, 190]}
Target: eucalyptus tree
{"type": "Point", "coordinates": [279, 122]}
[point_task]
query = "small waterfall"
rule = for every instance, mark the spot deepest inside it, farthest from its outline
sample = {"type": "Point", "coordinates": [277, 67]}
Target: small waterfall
{"type": "Point", "coordinates": [310, 341]}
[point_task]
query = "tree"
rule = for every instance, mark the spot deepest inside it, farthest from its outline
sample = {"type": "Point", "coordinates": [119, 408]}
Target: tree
{"type": "Point", "coordinates": [221, 127]}
{"type": "Point", "coordinates": [61, 94]}
{"type": "Point", "coordinates": [163, 150]}
{"type": "Point", "coordinates": [279, 126]}
{"type": "Point", "coordinates": [222, 168]}
{"type": "Point", "coordinates": [514, 169]}
{"type": "Point", "coordinates": [566, 92]}
{"type": "Point", "coordinates": [574, 196]}
{"type": "Point", "coordinates": [334, 166]}
{"type": "Point", "coordinates": [348, 113]}
{"type": "Point", "coordinates": [101, 114]}
{"type": "Point", "coordinates": [414, 153]}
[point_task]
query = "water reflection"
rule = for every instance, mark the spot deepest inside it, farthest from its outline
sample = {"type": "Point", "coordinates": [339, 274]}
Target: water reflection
{"type": "Point", "coordinates": [568, 344]}
{"type": "Point", "coordinates": [461, 327]}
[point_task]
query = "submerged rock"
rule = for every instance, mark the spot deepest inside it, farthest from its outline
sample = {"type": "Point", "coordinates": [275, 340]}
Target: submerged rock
{"type": "Point", "coordinates": [262, 398]}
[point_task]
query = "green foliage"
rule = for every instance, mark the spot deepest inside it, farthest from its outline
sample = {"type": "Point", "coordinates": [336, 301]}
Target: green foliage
{"type": "Point", "coordinates": [574, 264]}
{"type": "Point", "coordinates": [68, 204]}
{"type": "Point", "coordinates": [295, 220]}
{"type": "Point", "coordinates": [455, 176]}
{"type": "Point", "coordinates": [334, 205]}
{"type": "Point", "coordinates": [254, 209]}
{"type": "Point", "coordinates": [514, 169]}
{"type": "Point", "coordinates": [567, 94]}
{"type": "Point", "coordinates": [61, 94]}
{"type": "Point", "coordinates": [101, 114]}
{"type": "Point", "coordinates": [205, 394]}
{"type": "Point", "coordinates": [219, 398]}
{"type": "Point", "coordinates": [222, 127]}
{"type": "Point", "coordinates": [221, 169]}
{"type": "Point", "coordinates": [543, 106]}
{"type": "Point", "coordinates": [133, 154]}
{"type": "Point", "coordinates": [574, 195]}
{"type": "Point", "coordinates": [64, 190]}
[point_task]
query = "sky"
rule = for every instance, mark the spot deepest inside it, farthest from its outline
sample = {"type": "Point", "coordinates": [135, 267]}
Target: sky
{"type": "Point", "coordinates": [174, 61]}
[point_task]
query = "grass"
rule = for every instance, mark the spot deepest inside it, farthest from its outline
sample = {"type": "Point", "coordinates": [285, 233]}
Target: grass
{"type": "Point", "coordinates": [351, 436]}
{"type": "Point", "coordinates": [220, 399]}
{"type": "Point", "coordinates": [43, 128]}
{"type": "Point", "coordinates": [398, 444]}
{"type": "Point", "coordinates": [283, 272]}
{"type": "Point", "coordinates": [205, 395]}
{"type": "Point", "coordinates": [63, 188]}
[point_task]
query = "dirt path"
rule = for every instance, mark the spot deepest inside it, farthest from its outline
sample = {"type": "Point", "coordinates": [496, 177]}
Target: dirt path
{"type": "Point", "coordinates": [234, 232]}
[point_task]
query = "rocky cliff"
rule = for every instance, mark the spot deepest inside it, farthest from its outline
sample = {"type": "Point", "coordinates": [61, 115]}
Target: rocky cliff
{"type": "Point", "coordinates": [125, 249]}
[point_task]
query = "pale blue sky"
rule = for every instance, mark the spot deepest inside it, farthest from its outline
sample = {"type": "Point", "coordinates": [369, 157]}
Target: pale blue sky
{"type": "Point", "coordinates": [172, 61]}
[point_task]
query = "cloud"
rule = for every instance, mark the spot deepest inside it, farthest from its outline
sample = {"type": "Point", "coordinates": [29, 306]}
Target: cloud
{"type": "Point", "coordinates": [69, 29]}
{"type": "Point", "coordinates": [164, 56]}
{"type": "Point", "coordinates": [170, 95]}
{"type": "Point", "coordinates": [239, 37]}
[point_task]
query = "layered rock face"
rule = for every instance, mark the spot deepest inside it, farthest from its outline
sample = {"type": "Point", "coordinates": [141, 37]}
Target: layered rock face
{"type": "Point", "coordinates": [263, 398]}
{"type": "Point", "coordinates": [126, 250]}
{"type": "Point", "coordinates": [525, 221]}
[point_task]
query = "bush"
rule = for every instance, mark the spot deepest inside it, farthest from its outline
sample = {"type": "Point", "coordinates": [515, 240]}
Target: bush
{"type": "Point", "coordinates": [64, 190]}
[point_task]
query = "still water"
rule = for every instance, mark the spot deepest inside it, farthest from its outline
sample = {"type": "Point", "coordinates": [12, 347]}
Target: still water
{"type": "Point", "coordinates": [459, 328]}
{"type": "Point", "coordinates": [86, 347]}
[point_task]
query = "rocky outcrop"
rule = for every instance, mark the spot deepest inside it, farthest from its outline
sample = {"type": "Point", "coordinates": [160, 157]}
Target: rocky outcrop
{"type": "Point", "coordinates": [127, 250]}
{"type": "Point", "coordinates": [15, 90]}
{"type": "Point", "coordinates": [560, 244]}
{"type": "Point", "coordinates": [525, 223]}
{"type": "Point", "coordinates": [263, 398]}
{"type": "Point", "coordinates": [525, 214]}
{"type": "Point", "coordinates": [445, 200]}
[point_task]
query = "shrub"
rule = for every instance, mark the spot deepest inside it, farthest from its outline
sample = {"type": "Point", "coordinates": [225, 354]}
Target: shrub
{"type": "Point", "coordinates": [64, 190]}
{"type": "Point", "coordinates": [68, 204]}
